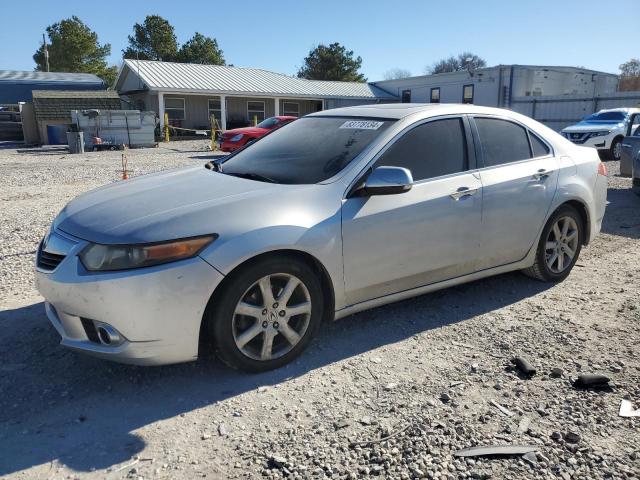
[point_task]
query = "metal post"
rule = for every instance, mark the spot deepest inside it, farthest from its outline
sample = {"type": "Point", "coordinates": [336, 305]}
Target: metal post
{"type": "Point", "coordinates": [255, 120]}
{"type": "Point", "coordinates": [166, 127]}
{"type": "Point", "coordinates": [276, 109]}
{"type": "Point", "coordinates": [46, 51]}
{"type": "Point", "coordinates": [223, 112]}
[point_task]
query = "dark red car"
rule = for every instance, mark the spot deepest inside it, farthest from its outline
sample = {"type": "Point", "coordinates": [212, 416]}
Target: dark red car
{"type": "Point", "coordinates": [232, 140]}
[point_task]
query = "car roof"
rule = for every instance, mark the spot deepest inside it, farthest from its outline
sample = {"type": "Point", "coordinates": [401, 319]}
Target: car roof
{"type": "Point", "coordinates": [396, 111]}
{"type": "Point", "coordinates": [627, 110]}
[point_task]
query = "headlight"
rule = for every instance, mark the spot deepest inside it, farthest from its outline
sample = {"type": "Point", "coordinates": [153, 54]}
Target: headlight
{"type": "Point", "coordinates": [236, 138]}
{"type": "Point", "coordinates": [600, 134]}
{"type": "Point", "coordinates": [96, 257]}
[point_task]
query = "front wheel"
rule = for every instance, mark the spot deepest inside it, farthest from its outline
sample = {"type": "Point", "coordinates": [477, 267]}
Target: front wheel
{"type": "Point", "coordinates": [616, 149]}
{"type": "Point", "coordinates": [267, 314]}
{"type": "Point", "coordinates": [559, 246]}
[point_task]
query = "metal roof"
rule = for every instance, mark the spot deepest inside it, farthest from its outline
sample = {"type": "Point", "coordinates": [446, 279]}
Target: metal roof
{"type": "Point", "coordinates": [36, 77]}
{"type": "Point", "coordinates": [16, 86]}
{"type": "Point", "coordinates": [75, 94]}
{"type": "Point", "coordinates": [189, 77]}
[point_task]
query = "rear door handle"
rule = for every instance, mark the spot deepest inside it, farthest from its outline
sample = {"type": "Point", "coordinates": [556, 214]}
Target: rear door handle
{"type": "Point", "coordinates": [463, 192]}
{"type": "Point", "coordinates": [625, 145]}
{"type": "Point", "coordinates": [541, 174]}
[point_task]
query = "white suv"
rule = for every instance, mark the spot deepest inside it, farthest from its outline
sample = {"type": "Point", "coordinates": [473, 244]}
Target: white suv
{"type": "Point", "coordinates": [603, 130]}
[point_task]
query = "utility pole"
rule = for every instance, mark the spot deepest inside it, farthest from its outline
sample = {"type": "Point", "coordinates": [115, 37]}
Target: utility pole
{"type": "Point", "coordinates": [46, 51]}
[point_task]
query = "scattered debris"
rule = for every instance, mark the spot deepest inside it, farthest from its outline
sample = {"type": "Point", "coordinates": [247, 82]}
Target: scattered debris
{"type": "Point", "coordinates": [463, 345]}
{"type": "Point", "coordinates": [375, 360]}
{"type": "Point", "coordinates": [523, 366]}
{"type": "Point", "coordinates": [591, 380]}
{"type": "Point", "coordinates": [455, 384]}
{"type": "Point", "coordinates": [205, 436]}
{"type": "Point", "coordinates": [222, 430]}
{"type": "Point", "coordinates": [572, 437]}
{"type": "Point", "coordinates": [277, 461]}
{"type": "Point", "coordinates": [390, 386]}
{"type": "Point", "coordinates": [626, 409]}
{"type": "Point", "coordinates": [523, 426]}
{"type": "Point", "coordinates": [383, 439]}
{"type": "Point", "coordinates": [530, 458]}
{"type": "Point", "coordinates": [445, 397]}
{"type": "Point", "coordinates": [340, 424]}
{"type": "Point", "coordinates": [556, 372]}
{"type": "Point", "coordinates": [495, 450]}
{"type": "Point", "coordinates": [504, 410]}
{"type": "Point", "coordinates": [262, 389]}
{"type": "Point", "coordinates": [557, 436]}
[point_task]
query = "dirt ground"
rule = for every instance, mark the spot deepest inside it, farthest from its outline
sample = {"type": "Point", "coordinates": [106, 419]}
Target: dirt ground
{"type": "Point", "coordinates": [423, 372]}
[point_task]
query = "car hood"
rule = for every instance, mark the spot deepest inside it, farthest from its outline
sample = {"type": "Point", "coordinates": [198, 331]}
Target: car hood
{"type": "Point", "coordinates": [593, 127]}
{"type": "Point", "coordinates": [168, 205]}
{"type": "Point", "coordinates": [246, 131]}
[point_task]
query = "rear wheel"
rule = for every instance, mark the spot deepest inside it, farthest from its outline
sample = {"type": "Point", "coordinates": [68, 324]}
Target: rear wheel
{"type": "Point", "coordinates": [267, 314]}
{"type": "Point", "coordinates": [559, 246]}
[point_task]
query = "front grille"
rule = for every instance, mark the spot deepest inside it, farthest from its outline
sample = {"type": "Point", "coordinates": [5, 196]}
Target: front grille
{"type": "Point", "coordinates": [48, 261]}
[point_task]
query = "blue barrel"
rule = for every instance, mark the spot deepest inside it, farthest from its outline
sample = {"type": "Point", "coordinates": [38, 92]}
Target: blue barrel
{"type": "Point", "coordinates": [57, 134]}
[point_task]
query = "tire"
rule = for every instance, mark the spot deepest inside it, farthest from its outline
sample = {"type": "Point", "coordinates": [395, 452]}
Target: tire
{"type": "Point", "coordinates": [615, 149]}
{"type": "Point", "coordinates": [240, 338]}
{"type": "Point", "coordinates": [545, 268]}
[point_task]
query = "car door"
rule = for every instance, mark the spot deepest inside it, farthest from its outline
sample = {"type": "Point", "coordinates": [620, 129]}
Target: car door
{"type": "Point", "coordinates": [630, 145]}
{"type": "Point", "coordinates": [519, 177]}
{"type": "Point", "coordinates": [397, 242]}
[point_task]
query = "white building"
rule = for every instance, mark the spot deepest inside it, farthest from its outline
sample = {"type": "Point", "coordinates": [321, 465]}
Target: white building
{"type": "Point", "coordinates": [498, 86]}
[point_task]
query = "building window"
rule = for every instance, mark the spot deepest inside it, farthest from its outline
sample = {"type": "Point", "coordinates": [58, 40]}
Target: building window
{"type": "Point", "coordinates": [291, 109]}
{"type": "Point", "coordinates": [174, 108]}
{"type": "Point", "coordinates": [435, 95]}
{"type": "Point", "coordinates": [215, 109]}
{"type": "Point", "coordinates": [467, 94]}
{"type": "Point", "coordinates": [406, 96]}
{"type": "Point", "coordinates": [255, 110]}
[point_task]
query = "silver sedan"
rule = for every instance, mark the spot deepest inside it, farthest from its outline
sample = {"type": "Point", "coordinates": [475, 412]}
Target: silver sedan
{"type": "Point", "coordinates": [338, 212]}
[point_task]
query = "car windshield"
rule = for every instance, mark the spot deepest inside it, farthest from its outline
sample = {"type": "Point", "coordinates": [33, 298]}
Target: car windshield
{"type": "Point", "coordinates": [606, 117]}
{"type": "Point", "coordinates": [309, 150]}
{"type": "Point", "coordinates": [268, 123]}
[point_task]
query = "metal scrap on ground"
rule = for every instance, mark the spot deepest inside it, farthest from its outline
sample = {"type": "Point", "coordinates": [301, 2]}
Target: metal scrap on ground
{"type": "Point", "coordinates": [504, 410]}
{"type": "Point", "coordinates": [491, 450]}
{"type": "Point", "coordinates": [626, 409]}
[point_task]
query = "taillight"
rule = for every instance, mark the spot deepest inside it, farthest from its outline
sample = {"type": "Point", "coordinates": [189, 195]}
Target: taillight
{"type": "Point", "coordinates": [602, 170]}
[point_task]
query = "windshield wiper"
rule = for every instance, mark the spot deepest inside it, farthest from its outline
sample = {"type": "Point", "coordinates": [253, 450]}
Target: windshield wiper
{"type": "Point", "coordinates": [252, 176]}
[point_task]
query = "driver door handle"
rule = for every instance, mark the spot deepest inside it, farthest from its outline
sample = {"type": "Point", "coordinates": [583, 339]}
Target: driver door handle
{"type": "Point", "coordinates": [541, 174]}
{"type": "Point", "coordinates": [463, 192]}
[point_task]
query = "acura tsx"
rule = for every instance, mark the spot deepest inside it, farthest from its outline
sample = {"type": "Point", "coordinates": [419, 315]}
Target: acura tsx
{"type": "Point", "coordinates": [338, 212]}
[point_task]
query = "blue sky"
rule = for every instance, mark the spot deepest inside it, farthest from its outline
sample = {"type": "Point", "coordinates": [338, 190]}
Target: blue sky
{"type": "Point", "coordinates": [277, 34]}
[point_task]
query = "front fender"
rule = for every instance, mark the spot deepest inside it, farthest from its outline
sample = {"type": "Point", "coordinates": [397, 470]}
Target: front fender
{"type": "Point", "coordinates": [323, 241]}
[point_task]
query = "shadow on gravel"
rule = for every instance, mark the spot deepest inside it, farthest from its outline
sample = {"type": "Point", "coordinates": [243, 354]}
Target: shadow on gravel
{"type": "Point", "coordinates": [622, 216]}
{"type": "Point", "coordinates": [56, 405]}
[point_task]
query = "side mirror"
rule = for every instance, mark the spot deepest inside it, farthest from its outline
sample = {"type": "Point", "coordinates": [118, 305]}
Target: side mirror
{"type": "Point", "coordinates": [387, 181]}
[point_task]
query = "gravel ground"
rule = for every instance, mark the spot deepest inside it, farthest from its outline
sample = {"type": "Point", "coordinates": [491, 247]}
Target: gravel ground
{"type": "Point", "coordinates": [423, 372]}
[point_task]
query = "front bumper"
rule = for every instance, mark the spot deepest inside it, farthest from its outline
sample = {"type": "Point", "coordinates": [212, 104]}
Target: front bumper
{"type": "Point", "coordinates": [157, 310]}
{"type": "Point", "coordinates": [602, 142]}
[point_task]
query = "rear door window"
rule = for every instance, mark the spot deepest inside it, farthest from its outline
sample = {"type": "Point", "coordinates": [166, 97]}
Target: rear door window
{"type": "Point", "coordinates": [502, 141]}
{"type": "Point", "coordinates": [429, 150]}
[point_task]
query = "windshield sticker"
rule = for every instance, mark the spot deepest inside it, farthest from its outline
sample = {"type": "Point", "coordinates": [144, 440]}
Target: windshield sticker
{"type": "Point", "coordinates": [362, 124]}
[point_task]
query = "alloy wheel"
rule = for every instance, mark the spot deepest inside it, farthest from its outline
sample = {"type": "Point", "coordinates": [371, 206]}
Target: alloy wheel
{"type": "Point", "coordinates": [272, 317]}
{"type": "Point", "coordinates": [617, 150]}
{"type": "Point", "coordinates": [561, 244]}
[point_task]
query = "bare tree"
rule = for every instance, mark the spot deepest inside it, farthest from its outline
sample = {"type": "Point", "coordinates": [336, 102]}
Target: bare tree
{"type": "Point", "coordinates": [630, 76]}
{"type": "Point", "coordinates": [396, 73]}
{"type": "Point", "coordinates": [463, 61]}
